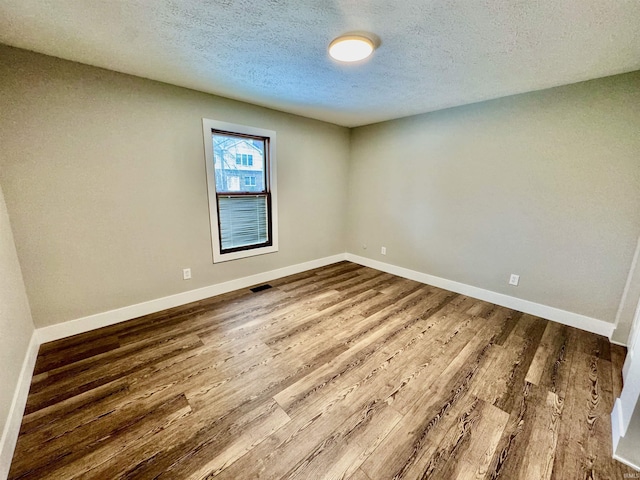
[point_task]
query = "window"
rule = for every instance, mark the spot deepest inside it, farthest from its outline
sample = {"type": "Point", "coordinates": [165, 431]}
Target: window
{"type": "Point", "coordinates": [243, 214]}
{"type": "Point", "coordinates": [244, 159]}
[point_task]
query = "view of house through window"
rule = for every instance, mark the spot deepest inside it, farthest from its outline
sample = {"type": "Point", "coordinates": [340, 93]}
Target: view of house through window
{"type": "Point", "coordinates": [241, 183]}
{"type": "Point", "coordinates": [241, 173]}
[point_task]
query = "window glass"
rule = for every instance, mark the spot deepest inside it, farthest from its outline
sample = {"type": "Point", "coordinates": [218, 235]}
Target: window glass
{"type": "Point", "coordinates": [241, 184]}
{"type": "Point", "coordinates": [234, 155]}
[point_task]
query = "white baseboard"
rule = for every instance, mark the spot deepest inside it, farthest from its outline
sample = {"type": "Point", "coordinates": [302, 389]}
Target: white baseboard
{"type": "Point", "coordinates": [571, 319]}
{"type": "Point", "coordinates": [628, 463]}
{"type": "Point", "coordinates": [111, 317]}
{"type": "Point", "coordinates": [14, 420]}
{"type": "Point", "coordinates": [617, 425]}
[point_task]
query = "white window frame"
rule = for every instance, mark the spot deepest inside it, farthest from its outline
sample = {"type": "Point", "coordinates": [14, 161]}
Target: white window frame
{"type": "Point", "coordinates": [207, 126]}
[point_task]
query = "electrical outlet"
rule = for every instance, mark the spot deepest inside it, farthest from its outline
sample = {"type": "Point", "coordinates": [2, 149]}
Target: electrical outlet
{"type": "Point", "coordinates": [186, 273]}
{"type": "Point", "coordinates": [514, 279]}
{"type": "Point", "coordinates": [364, 246]}
{"type": "Point", "coordinates": [383, 250]}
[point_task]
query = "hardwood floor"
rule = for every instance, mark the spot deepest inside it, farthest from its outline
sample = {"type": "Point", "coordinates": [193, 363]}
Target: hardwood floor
{"type": "Point", "coordinates": [340, 372]}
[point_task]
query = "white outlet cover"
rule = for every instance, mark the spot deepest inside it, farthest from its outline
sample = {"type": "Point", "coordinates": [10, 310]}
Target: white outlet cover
{"type": "Point", "coordinates": [186, 273]}
{"type": "Point", "coordinates": [514, 279]}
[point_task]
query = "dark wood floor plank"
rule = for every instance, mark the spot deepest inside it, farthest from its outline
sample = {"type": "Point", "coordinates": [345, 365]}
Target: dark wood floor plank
{"type": "Point", "coordinates": [552, 363]}
{"type": "Point", "coordinates": [342, 310]}
{"type": "Point", "coordinates": [71, 459]}
{"type": "Point", "coordinates": [71, 384]}
{"type": "Point", "coordinates": [511, 319]}
{"type": "Point", "coordinates": [90, 368]}
{"type": "Point", "coordinates": [256, 306]}
{"type": "Point", "coordinates": [75, 406]}
{"type": "Point", "coordinates": [404, 448]}
{"type": "Point", "coordinates": [376, 350]}
{"type": "Point", "coordinates": [505, 376]}
{"type": "Point", "coordinates": [331, 410]}
{"type": "Point", "coordinates": [290, 449]}
{"type": "Point", "coordinates": [207, 304]}
{"type": "Point", "coordinates": [59, 358]}
{"type": "Point", "coordinates": [338, 372]}
{"type": "Point", "coordinates": [57, 427]}
{"type": "Point", "coordinates": [473, 426]}
{"type": "Point", "coordinates": [512, 459]}
{"type": "Point", "coordinates": [176, 446]}
{"type": "Point", "coordinates": [214, 454]}
{"type": "Point", "coordinates": [344, 450]}
{"type": "Point", "coordinates": [585, 431]}
{"type": "Point", "coordinates": [475, 460]}
{"type": "Point", "coordinates": [283, 318]}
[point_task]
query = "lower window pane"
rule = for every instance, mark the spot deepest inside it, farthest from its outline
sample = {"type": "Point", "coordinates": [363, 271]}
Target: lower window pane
{"type": "Point", "coordinates": [243, 221]}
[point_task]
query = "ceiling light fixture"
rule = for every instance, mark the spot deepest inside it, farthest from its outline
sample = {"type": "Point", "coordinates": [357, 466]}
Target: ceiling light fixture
{"type": "Point", "coordinates": [351, 48]}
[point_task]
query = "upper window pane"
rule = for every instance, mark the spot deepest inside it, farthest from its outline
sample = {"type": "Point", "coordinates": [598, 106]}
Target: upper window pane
{"type": "Point", "coordinates": [236, 156]}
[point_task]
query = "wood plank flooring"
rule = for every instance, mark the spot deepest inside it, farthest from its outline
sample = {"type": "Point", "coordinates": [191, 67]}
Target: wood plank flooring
{"type": "Point", "coordinates": [342, 372]}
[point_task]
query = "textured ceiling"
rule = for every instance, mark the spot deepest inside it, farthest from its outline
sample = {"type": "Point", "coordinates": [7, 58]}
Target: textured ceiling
{"type": "Point", "coordinates": [433, 53]}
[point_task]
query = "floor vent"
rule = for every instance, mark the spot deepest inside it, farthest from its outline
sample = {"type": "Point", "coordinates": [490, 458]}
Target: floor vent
{"type": "Point", "coordinates": [266, 286]}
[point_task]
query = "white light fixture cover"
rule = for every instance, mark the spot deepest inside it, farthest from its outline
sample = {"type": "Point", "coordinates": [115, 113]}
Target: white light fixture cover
{"type": "Point", "coordinates": [351, 48]}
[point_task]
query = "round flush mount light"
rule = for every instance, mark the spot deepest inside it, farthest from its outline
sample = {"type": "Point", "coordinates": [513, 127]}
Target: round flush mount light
{"type": "Point", "coordinates": [351, 48]}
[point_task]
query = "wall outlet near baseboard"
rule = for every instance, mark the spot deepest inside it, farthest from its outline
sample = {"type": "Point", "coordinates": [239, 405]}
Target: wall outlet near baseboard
{"type": "Point", "coordinates": [514, 279]}
{"type": "Point", "coordinates": [186, 273]}
{"type": "Point", "coordinates": [383, 250]}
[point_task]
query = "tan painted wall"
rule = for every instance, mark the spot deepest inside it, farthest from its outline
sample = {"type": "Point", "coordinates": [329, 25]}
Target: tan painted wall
{"type": "Point", "coordinates": [16, 326]}
{"type": "Point", "coordinates": [104, 177]}
{"type": "Point", "coordinates": [545, 185]}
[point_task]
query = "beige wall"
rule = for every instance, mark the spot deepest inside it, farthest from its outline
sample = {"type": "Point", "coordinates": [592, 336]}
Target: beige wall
{"type": "Point", "coordinates": [16, 326]}
{"type": "Point", "coordinates": [545, 185]}
{"type": "Point", "coordinates": [104, 177]}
